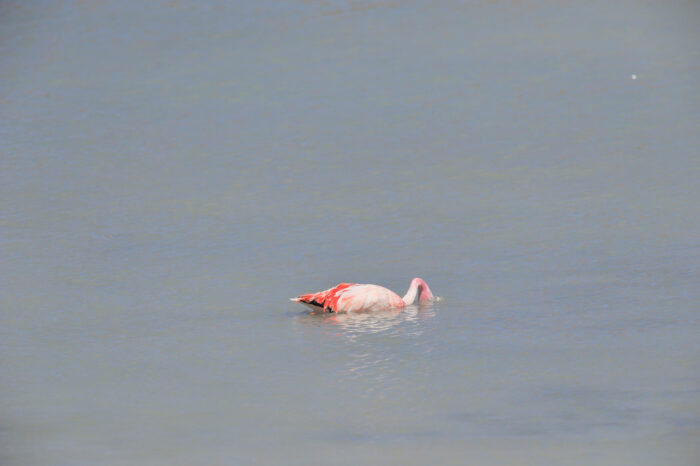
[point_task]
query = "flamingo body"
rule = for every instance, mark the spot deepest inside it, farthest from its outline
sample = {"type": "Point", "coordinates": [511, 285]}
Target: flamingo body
{"type": "Point", "coordinates": [354, 297]}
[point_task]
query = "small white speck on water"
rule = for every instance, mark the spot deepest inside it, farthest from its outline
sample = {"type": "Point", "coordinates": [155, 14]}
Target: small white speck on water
{"type": "Point", "coordinates": [634, 76]}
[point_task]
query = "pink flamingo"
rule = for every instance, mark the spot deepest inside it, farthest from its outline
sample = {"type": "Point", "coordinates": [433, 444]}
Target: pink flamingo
{"type": "Point", "coordinates": [353, 297]}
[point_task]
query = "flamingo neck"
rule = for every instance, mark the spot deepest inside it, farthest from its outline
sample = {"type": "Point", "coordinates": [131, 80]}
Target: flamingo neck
{"type": "Point", "coordinates": [417, 292]}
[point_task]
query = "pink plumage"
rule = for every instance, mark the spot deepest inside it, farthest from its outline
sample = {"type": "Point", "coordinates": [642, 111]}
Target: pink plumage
{"type": "Point", "coordinates": [354, 297]}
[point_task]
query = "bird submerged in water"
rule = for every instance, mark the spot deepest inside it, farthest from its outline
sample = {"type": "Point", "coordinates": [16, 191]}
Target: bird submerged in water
{"type": "Point", "coordinates": [354, 297]}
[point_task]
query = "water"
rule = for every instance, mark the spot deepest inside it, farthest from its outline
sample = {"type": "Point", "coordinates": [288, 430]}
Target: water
{"type": "Point", "coordinates": [173, 171]}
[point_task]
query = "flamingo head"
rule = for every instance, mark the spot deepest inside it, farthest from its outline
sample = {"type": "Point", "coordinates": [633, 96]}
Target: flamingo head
{"type": "Point", "coordinates": [418, 292]}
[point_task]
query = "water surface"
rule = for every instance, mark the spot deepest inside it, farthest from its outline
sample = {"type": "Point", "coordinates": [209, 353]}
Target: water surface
{"type": "Point", "coordinates": [173, 171]}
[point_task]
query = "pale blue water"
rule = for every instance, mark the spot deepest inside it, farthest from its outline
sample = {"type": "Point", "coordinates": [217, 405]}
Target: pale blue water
{"type": "Point", "coordinates": [172, 172]}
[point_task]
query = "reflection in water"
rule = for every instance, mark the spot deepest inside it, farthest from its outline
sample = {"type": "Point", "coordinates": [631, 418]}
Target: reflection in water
{"type": "Point", "coordinates": [406, 321]}
{"type": "Point", "coordinates": [368, 340]}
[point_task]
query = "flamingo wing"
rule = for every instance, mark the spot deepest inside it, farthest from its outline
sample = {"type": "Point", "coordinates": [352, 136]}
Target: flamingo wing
{"type": "Point", "coordinates": [327, 299]}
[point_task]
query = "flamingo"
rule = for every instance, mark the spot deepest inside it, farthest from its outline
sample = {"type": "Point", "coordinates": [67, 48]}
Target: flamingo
{"type": "Point", "coordinates": [354, 297]}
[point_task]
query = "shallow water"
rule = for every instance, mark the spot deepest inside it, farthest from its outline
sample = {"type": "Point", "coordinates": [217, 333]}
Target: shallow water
{"type": "Point", "coordinates": [173, 171]}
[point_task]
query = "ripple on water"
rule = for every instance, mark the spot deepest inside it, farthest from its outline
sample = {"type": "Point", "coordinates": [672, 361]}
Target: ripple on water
{"type": "Point", "coordinates": [374, 352]}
